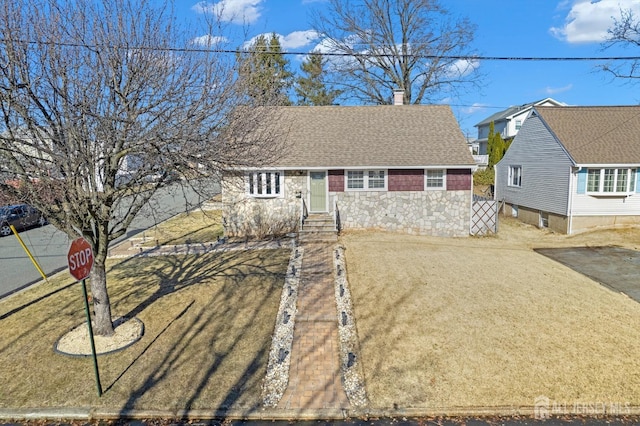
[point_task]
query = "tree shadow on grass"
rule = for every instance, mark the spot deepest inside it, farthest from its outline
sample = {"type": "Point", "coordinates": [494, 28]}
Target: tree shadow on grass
{"type": "Point", "coordinates": [34, 301]}
{"type": "Point", "coordinates": [238, 294]}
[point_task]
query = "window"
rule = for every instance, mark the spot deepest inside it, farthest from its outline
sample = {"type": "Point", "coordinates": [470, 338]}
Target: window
{"type": "Point", "coordinates": [435, 179]}
{"type": "Point", "coordinates": [265, 184]}
{"type": "Point", "coordinates": [515, 176]}
{"type": "Point", "coordinates": [518, 124]}
{"type": "Point", "coordinates": [611, 181]}
{"type": "Point", "coordinates": [544, 219]}
{"type": "Point", "coordinates": [355, 180]}
{"type": "Point", "coordinates": [375, 180]}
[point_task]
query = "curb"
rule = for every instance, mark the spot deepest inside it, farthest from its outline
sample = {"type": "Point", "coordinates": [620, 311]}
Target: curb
{"type": "Point", "coordinates": [91, 414]}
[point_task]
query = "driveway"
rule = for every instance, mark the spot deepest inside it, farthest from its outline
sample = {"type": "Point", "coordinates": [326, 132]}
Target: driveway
{"type": "Point", "coordinates": [617, 268]}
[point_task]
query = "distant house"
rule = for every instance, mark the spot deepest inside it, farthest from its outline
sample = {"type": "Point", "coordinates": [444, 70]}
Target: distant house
{"type": "Point", "coordinates": [572, 169]}
{"type": "Point", "coordinates": [508, 122]}
{"type": "Point", "coordinates": [397, 167]}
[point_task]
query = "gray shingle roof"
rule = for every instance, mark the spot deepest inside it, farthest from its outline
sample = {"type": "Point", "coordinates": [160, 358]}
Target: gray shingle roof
{"type": "Point", "coordinates": [372, 136]}
{"type": "Point", "coordinates": [596, 134]}
{"type": "Point", "coordinates": [506, 113]}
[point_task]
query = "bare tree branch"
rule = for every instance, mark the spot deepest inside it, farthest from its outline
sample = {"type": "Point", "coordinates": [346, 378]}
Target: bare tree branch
{"type": "Point", "coordinates": [99, 110]}
{"type": "Point", "coordinates": [385, 40]}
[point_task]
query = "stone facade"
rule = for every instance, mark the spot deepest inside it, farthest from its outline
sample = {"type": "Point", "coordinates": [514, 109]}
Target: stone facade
{"type": "Point", "coordinates": [244, 216]}
{"type": "Point", "coordinates": [444, 213]}
{"type": "Point", "coordinates": [437, 213]}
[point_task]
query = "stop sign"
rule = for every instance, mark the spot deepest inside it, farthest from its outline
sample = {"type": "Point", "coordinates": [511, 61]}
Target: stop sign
{"type": "Point", "coordinates": [80, 259]}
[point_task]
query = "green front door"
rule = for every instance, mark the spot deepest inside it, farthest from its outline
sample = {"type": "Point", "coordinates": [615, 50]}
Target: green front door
{"type": "Point", "coordinates": [318, 191]}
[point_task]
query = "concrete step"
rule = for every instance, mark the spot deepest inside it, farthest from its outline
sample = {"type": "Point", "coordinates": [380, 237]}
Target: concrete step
{"type": "Point", "coordinates": [318, 227]}
{"type": "Point", "coordinates": [318, 237]}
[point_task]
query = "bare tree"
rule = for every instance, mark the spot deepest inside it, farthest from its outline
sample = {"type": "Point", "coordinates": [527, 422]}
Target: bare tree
{"type": "Point", "coordinates": [625, 32]}
{"type": "Point", "coordinates": [100, 109]}
{"type": "Point", "coordinates": [412, 45]}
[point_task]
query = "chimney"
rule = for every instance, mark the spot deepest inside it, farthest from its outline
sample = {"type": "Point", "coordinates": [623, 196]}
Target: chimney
{"type": "Point", "coordinates": [398, 97]}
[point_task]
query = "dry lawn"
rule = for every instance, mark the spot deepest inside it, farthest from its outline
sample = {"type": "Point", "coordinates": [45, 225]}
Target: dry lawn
{"type": "Point", "coordinates": [487, 322]}
{"type": "Point", "coordinates": [208, 323]}
{"type": "Point", "coordinates": [197, 226]}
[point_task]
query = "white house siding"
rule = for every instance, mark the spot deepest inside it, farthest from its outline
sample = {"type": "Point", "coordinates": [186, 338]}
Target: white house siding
{"type": "Point", "coordinates": [436, 213]}
{"type": "Point", "coordinates": [546, 170]}
{"type": "Point", "coordinates": [591, 212]}
{"type": "Point", "coordinates": [510, 130]}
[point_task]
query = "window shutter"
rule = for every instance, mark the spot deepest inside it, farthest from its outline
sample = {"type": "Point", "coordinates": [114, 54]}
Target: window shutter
{"type": "Point", "coordinates": [638, 180]}
{"type": "Point", "coordinates": [582, 181]}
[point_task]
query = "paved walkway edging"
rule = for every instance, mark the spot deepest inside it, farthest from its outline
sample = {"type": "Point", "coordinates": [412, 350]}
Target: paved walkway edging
{"type": "Point", "coordinates": [277, 377]}
{"type": "Point", "coordinates": [351, 366]}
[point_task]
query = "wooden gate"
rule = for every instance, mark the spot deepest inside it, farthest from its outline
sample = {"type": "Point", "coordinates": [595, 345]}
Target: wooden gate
{"type": "Point", "coordinates": [484, 216]}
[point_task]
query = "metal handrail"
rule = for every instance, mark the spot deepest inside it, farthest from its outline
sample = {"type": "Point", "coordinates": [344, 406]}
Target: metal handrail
{"type": "Point", "coordinates": [303, 212]}
{"type": "Point", "coordinates": [336, 216]}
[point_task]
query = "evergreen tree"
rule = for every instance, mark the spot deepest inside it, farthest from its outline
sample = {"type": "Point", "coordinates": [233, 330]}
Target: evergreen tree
{"type": "Point", "coordinates": [311, 88]}
{"type": "Point", "coordinates": [497, 146]}
{"type": "Point", "coordinates": [265, 71]}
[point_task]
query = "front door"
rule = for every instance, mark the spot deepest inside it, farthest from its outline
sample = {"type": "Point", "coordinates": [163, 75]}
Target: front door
{"type": "Point", "coordinates": [318, 187]}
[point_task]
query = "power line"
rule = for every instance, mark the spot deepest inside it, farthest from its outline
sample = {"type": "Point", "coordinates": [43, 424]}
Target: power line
{"type": "Point", "coordinates": [330, 54]}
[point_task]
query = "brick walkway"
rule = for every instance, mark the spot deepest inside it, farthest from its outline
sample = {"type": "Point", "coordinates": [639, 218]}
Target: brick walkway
{"type": "Point", "coordinates": [314, 375]}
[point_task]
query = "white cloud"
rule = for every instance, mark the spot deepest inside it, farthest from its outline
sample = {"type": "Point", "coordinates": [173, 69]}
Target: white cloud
{"type": "Point", "coordinates": [298, 39]}
{"type": "Point", "coordinates": [209, 40]}
{"type": "Point", "coordinates": [235, 11]}
{"type": "Point", "coordinates": [553, 90]}
{"type": "Point", "coordinates": [463, 67]}
{"type": "Point", "coordinates": [588, 20]}
{"type": "Point", "coordinates": [292, 40]}
{"type": "Point", "coordinates": [475, 107]}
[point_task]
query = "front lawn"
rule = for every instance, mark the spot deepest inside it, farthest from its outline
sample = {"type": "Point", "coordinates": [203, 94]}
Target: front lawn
{"type": "Point", "coordinates": [208, 322]}
{"type": "Point", "coordinates": [487, 322]}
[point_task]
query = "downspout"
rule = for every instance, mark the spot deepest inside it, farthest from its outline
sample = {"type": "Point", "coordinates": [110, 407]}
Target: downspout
{"type": "Point", "coordinates": [570, 200]}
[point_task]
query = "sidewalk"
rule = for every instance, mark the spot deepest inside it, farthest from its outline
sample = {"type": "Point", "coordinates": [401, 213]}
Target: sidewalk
{"type": "Point", "coordinates": [314, 375]}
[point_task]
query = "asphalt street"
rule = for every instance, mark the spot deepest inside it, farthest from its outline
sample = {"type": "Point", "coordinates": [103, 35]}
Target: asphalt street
{"type": "Point", "coordinates": [49, 246]}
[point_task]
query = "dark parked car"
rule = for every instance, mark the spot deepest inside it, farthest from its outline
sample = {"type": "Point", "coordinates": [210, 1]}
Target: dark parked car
{"type": "Point", "coordinates": [22, 216]}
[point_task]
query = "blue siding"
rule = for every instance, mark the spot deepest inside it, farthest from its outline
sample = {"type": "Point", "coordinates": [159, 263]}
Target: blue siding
{"type": "Point", "coordinates": [546, 170]}
{"type": "Point", "coordinates": [582, 181]}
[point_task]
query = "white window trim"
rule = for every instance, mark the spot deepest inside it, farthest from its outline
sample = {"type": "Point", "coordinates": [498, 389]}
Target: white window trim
{"type": "Point", "coordinates": [435, 188]}
{"type": "Point", "coordinates": [264, 185]}
{"type": "Point", "coordinates": [365, 174]}
{"type": "Point", "coordinates": [631, 177]}
{"type": "Point", "coordinates": [510, 176]}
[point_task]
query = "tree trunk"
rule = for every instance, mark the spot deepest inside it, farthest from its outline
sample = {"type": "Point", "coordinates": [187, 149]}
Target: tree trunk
{"type": "Point", "coordinates": [101, 306]}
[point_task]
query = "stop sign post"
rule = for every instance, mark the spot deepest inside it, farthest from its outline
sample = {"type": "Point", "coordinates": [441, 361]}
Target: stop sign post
{"type": "Point", "coordinates": [80, 260]}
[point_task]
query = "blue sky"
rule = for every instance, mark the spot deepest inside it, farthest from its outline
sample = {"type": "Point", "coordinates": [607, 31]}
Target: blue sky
{"type": "Point", "coordinates": [512, 28]}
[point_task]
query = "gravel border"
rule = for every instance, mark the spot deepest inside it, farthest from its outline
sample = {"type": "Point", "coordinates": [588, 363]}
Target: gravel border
{"type": "Point", "coordinates": [81, 331]}
{"type": "Point", "coordinates": [277, 377]}
{"type": "Point", "coordinates": [352, 374]}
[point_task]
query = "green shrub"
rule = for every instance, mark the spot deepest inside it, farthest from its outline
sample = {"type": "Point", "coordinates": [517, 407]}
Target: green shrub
{"type": "Point", "coordinates": [484, 177]}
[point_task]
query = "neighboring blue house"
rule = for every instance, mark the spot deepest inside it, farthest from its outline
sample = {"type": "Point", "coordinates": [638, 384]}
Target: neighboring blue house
{"type": "Point", "coordinates": [574, 169]}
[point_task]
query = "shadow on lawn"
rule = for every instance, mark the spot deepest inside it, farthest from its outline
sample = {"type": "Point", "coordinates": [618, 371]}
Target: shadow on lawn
{"type": "Point", "coordinates": [214, 324]}
{"type": "Point", "coordinates": [34, 301]}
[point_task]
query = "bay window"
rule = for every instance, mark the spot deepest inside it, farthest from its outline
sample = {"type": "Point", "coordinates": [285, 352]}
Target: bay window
{"type": "Point", "coordinates": [611, 181]}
